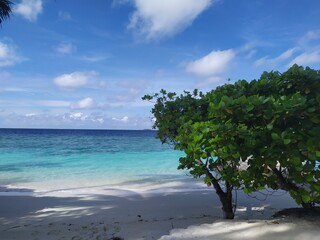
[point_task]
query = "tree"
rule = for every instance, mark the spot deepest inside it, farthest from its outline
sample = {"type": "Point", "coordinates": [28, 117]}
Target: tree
{"type": "Point", "coordinates": [5, 10]}
{"type": "Point", "coordinates": [284, 129]}
{"type": "Point", "coordinates": [177, 119]}
{"type": "Point", "coordinates": [249, 135]}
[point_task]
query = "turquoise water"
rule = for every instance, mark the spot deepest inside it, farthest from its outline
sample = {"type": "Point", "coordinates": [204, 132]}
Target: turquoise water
{"type": "Point", "coordinates": [46, 159]}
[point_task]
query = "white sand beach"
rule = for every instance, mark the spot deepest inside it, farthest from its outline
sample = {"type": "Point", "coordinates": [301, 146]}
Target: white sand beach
{"type": "Point", "coordinates": [144, 211]}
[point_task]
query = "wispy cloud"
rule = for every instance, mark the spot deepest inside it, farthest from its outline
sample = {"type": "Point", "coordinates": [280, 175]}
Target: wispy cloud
{"type": "Point", "coordinates": [158, 19]}
{"type": "Point", "coordinates": [94, 58]}
{"type": "Point", "coordinates": [131, 91]}
{"type": "Point", "coordinates": [123, 119]}
{"type": "Point", "coordinates": [73, 119]}
{"type": "Point", "coordinates": [77, 115]}
{"type": "Point", "coordinates": [54, 103]}
{"type": "Point", "coordinates": [16, 90]}
{"type": "Point", "coordinates": [211, 81]}
{"type": "Point", "coordinates": [83, 104]}
{"type": "Point", "coordinates": [29, 9]}
{"type": "Point", "coordinates": [214, 63]}
{"type": "Point", "coordinates": [273, 62]}
{"type": "Point", "coordinates": [64, 16]}
{"type": "Point", "coordinates": [306, 58]}
{"type": "Point", "coordinates": [310, 36]}
{"type": "Point", "coordinates": [249, 49]}
{"type": "Point", "coordinates": [75, 79]}
{"type": "Point", "coordinates": [309, 48]}
{"type": "Point", "coordinates": [66, 48]}
{"type": "Point", "coordinates": [30, 114]}
{"type": "Point", "coordinates": [116, 3]}
{"type": "Point", "coordinates": [8, 54]}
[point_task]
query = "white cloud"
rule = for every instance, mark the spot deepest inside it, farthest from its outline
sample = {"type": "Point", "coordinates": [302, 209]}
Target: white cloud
{"type": "Point", "coordinates": [214, 63]}
{"type": "Point", "coordinates": [248, 46]}
{"type": "Point", "coordinates": [30, 114]}
{"type": "Point", "coordinates": [14, 90]}
{"type": "Point", "coordinates": [77, 116]}
{"type": "Point", "coordinates": [75, 79]}
{"type": "Point", "coordinates": [94, 58]}
{"type": "Point", "coordinates": [99, 120]}
{"type": "Point", "coordinates": [131, 94]}
{"type": "Point", "coordinates": [64, 16]}
{"type": "Point", "coordinates": [66, 48]}
{"type": "Point", "coordinates": [124, 119]}
{"type": "Point", "coordinates": [29, 9]}
{"type": "Point", "coordinates": [74, 119]}
{"type": "Point", "coordinates": [8, 55]}
{"type": "Point", "coordinates": [272, 62]}
{"type": "Point", "coordinates": [131, 90]}
{"type": "Point", "coordinates": [209, 82]}
{"type": "Point", "coordinates": [310, 36]}
{"type": "Point", "coordinates": [248, 49]}
{"type": "Point", "coordinates": [306, 58]}
{"type": "Point", "coordinates": [84, 103]}
{"type": "Point", "coordinates": [158, 19]}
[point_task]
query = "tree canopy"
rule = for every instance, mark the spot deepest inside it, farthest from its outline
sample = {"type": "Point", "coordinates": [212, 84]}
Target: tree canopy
{"type": "Point", "coordinates": [249, 135]}
{"type": "Point", "coordinates": [5, 10]}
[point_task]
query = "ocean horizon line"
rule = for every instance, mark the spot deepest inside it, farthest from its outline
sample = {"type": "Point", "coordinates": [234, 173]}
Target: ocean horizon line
{"type": "Point", "coordinates": [76, 129]}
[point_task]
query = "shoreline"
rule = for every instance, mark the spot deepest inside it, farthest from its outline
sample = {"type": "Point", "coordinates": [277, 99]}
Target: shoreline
{"type": "Point", "coordinates": [140, 186]}
{"type": "Point", "coordinates": [149, 212]}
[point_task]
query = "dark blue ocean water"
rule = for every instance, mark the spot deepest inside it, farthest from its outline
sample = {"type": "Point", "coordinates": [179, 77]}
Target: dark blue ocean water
{"type": "Point", "coordinates": [44, 159]}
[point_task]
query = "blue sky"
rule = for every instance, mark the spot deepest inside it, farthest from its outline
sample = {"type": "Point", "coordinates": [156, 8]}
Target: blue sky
{"type": "Point", "coordinates": [86, 64]}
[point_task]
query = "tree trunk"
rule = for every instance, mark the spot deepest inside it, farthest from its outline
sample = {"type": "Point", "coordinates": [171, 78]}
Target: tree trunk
{"type": "Point", "coordinates": [306, 205]}
{"type": "Point", "coordinates": [227, 208]}
{"type": "Point", "coordinates": [225, 197]}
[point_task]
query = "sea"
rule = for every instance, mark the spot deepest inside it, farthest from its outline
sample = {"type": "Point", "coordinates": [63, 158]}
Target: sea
{"type": "Point", "coordinates": [40, 160]}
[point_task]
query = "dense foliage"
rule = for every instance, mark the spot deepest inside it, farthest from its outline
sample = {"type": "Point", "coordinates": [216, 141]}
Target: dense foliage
{"type": "Point", "coordinates": [250, 135]}
{"type": "Point", "coordinates": [5, 10]}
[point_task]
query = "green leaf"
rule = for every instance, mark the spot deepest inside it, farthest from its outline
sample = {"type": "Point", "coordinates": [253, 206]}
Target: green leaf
{"type": "Point", "coordinates": [318, 153]}
{"type": "Point", "coordinates": [275, 136]}
{"type": "Point", "coordinates": [295, 161]}
{"type": "Point", "coordinates": [317, 188]}
{"type": "Point", "coordinates": [270, 126]}
{"type": "Point", "coordinates": [286, 141]}
{"type": "Point", "coordinates": [246, 190]}
{"type": "Point", "coordinates": [315, 119]}
{"type": "Point", "coordinates": [308, 177]}
{"type": "Point", "coordinates": [295, 196]}
{"type": "Point", "coordinates": [306, 198]}
{"type": "Point", "coordinates": [265, 100]}
{"type": "Point", "coordinates": [311, 109]}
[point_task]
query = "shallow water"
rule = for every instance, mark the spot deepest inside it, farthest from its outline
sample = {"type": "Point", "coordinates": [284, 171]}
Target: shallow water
{"type": "Point", "coordinates": [52, 159]}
